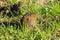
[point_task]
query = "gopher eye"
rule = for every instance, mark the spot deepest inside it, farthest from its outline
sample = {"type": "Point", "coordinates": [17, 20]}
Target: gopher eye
{"type": "Point", "coordinates": [27, 19]}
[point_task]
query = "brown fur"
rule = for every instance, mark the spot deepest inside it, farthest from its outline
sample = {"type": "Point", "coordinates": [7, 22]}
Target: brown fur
{"type": "Point", "coordinates": [29, 20]}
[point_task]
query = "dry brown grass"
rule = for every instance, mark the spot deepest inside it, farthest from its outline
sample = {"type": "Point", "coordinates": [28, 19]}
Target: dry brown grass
{"type": "Point", "coordinates": [3, 3]}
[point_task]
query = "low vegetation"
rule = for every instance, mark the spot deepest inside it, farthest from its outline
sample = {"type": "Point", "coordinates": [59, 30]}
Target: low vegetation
{"type": "Point", "coordinates": [47, 26]}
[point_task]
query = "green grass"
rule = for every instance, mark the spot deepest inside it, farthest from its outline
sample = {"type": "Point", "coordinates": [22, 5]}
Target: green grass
{"type": "Point", "coordinates": [48, 23]}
